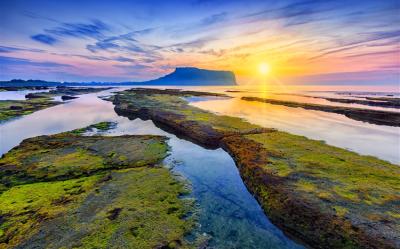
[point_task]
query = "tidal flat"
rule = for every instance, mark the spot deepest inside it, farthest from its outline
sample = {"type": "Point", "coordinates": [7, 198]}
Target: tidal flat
{"type": "Point", "coordinates": [73, 191]}
{"type": "Point", "coordinates": [316, 192]}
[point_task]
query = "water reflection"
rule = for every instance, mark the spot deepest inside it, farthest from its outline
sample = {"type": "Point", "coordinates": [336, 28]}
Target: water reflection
{"type": "Point", "coordinates": [335, 129]}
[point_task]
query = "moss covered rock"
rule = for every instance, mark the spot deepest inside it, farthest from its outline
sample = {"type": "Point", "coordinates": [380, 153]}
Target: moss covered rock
{"type": "Point", "coordinates": [73, 191]}
{"type": "Point", "coordinates": [14, 108]}
{"type": "Point", "coordinates": [170, 111]}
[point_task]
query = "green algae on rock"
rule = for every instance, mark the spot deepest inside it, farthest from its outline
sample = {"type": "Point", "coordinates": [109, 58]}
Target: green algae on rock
{"type": "Point", "coordinates": [66, 156]}
{"type": "Point", "coordinates": [170, 111]}
{"type": "Point", "coordinates": [73, 191]}
{"type": "Point", "coordinates": [321, 194]}
{"type": "Point", "coordinates": [14, 108]}
{"type": "Point", "coordinates": [325, 196]}
{"type": "Point", "coordinates": [131, 208]}
{"type": "Point", "coordinates": [99, 127]}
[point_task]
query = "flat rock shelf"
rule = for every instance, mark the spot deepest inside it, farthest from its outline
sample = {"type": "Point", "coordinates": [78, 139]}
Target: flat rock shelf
{"type": "Point", "coordinates": [73, 191]}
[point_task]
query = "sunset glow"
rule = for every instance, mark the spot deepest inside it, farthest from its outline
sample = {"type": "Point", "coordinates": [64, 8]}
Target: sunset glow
{"type": "Point", "coordinates": [304, 42]}
{"type": "Point", "coordinates": [264, 68]}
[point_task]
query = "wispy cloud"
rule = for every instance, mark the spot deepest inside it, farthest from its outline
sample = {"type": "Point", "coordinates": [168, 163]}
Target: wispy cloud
{"type": "Point", "coordinates": [45, 39]}
{"type": "Point", "coordinates": [7, 49]}
{"type": "Point", "coordinates": [213, 19]}
{"type": "Point", "coordinates": [6, 61]}
{"type": "Point", "coordinates": [363, 39]}
{"type": "Point", "coordinates": [94, 29]}
{"type": "Point", "coordinates": [294, 13]}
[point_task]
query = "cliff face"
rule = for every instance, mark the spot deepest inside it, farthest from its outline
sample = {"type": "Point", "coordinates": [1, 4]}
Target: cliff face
{"type": "Point", "coordinates": [195, 76]}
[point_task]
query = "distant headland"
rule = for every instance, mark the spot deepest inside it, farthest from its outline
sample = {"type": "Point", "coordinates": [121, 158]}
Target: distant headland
{"type": "Point", "coordinates": [185, 76]}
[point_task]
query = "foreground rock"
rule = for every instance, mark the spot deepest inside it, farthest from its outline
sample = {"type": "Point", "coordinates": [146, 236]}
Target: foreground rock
{"type": "Point", "coordinates": [365, 115]}
{"type": "Point", "coordinates": [325, 196]}
{"type": "Point", "coordinates": [71, 191]}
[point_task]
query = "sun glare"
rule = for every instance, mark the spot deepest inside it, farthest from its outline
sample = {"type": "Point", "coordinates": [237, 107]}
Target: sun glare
{"type": "Point", "coordinates": [264, 68]}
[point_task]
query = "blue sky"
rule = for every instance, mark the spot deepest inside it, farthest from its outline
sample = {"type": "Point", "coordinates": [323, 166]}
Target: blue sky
{"type": "Point", "coordinates": [347, 42]}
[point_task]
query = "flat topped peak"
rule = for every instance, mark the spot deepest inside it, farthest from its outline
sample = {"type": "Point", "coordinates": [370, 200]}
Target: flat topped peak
{"type": "Point", "coordinates": [198, 69]}
{"type": "Point", "coordinates": [196, 76]}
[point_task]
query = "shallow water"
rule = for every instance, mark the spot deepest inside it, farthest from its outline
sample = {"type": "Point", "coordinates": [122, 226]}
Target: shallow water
{"type": "Point", "coordinates": [335, 129]}
{"type": "Point", "coordinates": [307, 94]}
{"type": "Point", "coordinates": [227, 211]}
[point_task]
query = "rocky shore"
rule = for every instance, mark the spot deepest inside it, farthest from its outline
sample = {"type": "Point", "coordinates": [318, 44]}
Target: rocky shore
{"type": "Point", "coordinates": [325, 196]}
{"type": "Point", "coordinates": [73, 191]}
{"type": "Point", "coordinates": [359, 114]}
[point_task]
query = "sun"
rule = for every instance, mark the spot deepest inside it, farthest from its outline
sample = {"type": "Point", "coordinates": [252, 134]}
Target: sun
{"type": "Point", "coordinates": [264, 68]}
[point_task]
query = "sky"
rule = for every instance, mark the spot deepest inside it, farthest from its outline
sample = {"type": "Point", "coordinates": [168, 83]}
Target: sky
{"type": "Point", "coordinates": [300, 41]}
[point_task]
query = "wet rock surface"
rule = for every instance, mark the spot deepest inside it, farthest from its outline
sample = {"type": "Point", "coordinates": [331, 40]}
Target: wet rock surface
{"type": "Point", "coordinates": [325, 196]}
{"type": "Point", "coordinates": [73, 191]}
{"type": "Point", "coordinates": [365, 115]}
{"type": "Point", "coordinates": [67, 97]}
{"type": "Point", "coordinates": [168, 110]}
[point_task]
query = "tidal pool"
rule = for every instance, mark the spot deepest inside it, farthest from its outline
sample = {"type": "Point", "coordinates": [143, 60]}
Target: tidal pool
{"type": "Point", "coordinates": [227, 212]}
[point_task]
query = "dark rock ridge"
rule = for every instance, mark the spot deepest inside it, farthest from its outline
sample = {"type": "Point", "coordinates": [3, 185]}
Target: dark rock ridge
{"type": "Point", "coordinates": [370, 101]}
{"type": "Point", "coordinates": [195, 76]}
{"type": "Point", "coordinates": [359, 114]}
{"type": "Point", "coordinates": [67, 97]}
{"type": "Point", "coordinates": [385, 102]}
